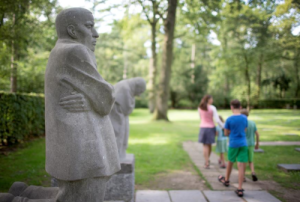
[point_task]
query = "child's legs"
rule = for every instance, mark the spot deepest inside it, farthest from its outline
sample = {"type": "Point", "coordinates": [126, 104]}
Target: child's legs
{"type": "Point", "coordinates": [209, 150]}
{"type": "Point", "coordinates": [232, 154]}
{"type": "Point", "coordinates": [222, 158]}
{"type": "Point", "coordinates": [205, 153]}
{"type": "Point", "coordinates": [250, 157]}
{"type": "Point", "coordinates": [241, 169]}
{"type": "Point", "coordinates": [228, 170]}
{"type": "Point", "coordinates": [242, 159]}
{"type": "Point", "coordinates": [251, 165]}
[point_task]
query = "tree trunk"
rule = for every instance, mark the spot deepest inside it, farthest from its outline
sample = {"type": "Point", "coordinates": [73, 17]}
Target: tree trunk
{"type": "Point", "coordinates": [153, 63]}
{"type": "Point", "coordinates": [297, 92]}
{"type": "Point", "coordinates": [13, 73]}
{"type": "Point", "coordinates": [247, 76]}
{"type": "Point", "coordinates": [259, 70]}
{"type": "Point", "coordinates": [193, 63]}
{"type": "Point", "coordinates": [167, 57]}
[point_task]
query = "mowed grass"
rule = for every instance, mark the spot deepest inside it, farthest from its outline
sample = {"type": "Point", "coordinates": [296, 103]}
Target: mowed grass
{"type": "Point", "coordinates": [266, 165]}
{"type": "Point", "coordinates": [26, 164]}
{"type": "Point", "coordinates": [158, 146]}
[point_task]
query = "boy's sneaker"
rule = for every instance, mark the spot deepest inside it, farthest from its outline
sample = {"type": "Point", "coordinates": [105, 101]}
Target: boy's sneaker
{"type": "Point", "coordinates": [254, 177]}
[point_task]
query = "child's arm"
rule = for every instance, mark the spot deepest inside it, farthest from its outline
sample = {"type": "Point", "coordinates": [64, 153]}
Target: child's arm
{"type": "Point", "coordinates": [257, 140]}
{"type": "Point", "coordinates": [216, 116]}
{"type": "Point", "coordinates": [226, 132]}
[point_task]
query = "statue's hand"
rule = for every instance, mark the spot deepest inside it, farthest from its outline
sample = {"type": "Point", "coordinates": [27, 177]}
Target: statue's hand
{"type": "Point", "coordinates": [74, 103]}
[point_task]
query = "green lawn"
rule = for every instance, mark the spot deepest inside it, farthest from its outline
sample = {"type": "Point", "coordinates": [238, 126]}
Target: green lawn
{"type": "Point", "coordinates": [27, 164]}
{"type": "Point", "coordinates": [158, 147]}
{"type": "Point", "coordinates": [266, 165]}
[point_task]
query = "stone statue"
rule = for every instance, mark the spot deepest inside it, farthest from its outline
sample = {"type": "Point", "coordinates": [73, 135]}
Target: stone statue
{"type": "Point", "coordinates": [81, 150]}
{"type": "Point", "coordinates": [126, 90]}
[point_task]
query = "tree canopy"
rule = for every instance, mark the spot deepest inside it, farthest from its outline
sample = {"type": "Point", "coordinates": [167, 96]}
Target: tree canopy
{"type": "Point", "coordinates": [248, 50]}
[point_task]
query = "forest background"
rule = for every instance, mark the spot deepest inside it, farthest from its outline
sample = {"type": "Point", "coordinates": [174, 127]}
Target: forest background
{"type": "Point", "coordinates": [248, 50]}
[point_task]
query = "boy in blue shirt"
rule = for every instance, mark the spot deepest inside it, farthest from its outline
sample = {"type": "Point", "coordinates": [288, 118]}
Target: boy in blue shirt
{"type": "Point", "coordinates": [235, 127]}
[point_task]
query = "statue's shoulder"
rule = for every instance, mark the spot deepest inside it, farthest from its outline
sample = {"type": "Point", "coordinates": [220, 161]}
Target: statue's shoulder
{"type": "Point", "coordinates": [71, 49]}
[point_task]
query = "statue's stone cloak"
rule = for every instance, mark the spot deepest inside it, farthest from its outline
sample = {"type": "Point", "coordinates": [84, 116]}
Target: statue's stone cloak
{"type": "Point", "coordinates": [79, 144]}
{"type": "Point", "coordinates": [124, 105]}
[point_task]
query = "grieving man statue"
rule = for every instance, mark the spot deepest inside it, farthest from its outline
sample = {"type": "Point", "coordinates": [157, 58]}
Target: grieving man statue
{"type": "Point", "coordinates": [81, 150]}
{"type": "Point", "coordinates": [126, 90]}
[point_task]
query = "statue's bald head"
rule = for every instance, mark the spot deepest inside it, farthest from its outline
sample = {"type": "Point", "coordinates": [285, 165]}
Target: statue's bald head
{"type": "Point", "coordinates": [71, 16]}
{"type": "Point", "coordinates": [77, 24]}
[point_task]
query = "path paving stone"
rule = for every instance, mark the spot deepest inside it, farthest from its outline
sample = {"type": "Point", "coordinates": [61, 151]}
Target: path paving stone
{"type": "Point", "coordinates": [259, 150]}
{"type": "Point", "coordinates": [257, 196]}
{"type": "Point", "coordinates": [248, 186]}
{"type": "Point", "coordinates": [187, 196]}
{"type": "Point", "coordinates": [279, 143]}
{"type": "Point", "coordinates": [290, 134]}
{"type": "Point", "coordinates": [152, 196]}
{"type": "Point", "coordinates": [289, 167]}
{"type": "Point", "coordinates": [222, 196]}
{"type": "Point", "coordinates": [297, 149]}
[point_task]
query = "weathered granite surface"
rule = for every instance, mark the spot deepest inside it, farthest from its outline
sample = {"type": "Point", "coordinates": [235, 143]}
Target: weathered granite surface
{"type": "Point", "coordinates": [80, 141]}
{"type": "Point", "coordinates": [121, 185]}
{"type": "Point", "coordinates": [126, 90]}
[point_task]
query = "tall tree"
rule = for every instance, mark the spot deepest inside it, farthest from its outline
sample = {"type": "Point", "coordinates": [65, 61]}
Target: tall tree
{"type": "Point", "coordinates": [166, 66]}
{"type": "Point", "coordinates": [18, 22]}
{"type": "Point", "coordinates": [152, 14]}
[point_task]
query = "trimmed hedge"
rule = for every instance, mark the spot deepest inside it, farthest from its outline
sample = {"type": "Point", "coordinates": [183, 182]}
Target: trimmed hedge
{"type": "Point", "coordinates": [278, 103]}
{"type": "Point", "coordinates": [21, 116]}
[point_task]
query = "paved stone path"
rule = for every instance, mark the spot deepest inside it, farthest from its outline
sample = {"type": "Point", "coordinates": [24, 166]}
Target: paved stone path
{"type": "Point", "coordinates": [279, 143]}
{"type": "Point", "coordinates": [253, 192]}
{"type": "Point", "coordinates": [194, 149]}
{"type": "Point", "coordinates": [202, 196]}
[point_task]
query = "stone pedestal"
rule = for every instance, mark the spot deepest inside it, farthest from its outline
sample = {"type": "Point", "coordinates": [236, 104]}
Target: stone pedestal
{"type": "Point", "coordinates": [120, 187]}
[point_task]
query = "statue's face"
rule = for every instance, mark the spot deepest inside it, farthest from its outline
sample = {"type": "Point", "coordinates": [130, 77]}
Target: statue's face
{"type": "Point", "coordinates": [140, 88]}
{"type": "Point", "coordinates": [87, 35]}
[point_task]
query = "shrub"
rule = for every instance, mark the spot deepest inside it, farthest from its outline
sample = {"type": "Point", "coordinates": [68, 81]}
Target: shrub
{"type": "Point", "coordinates": [278, 103]}
{"type": "Point", "coordinates": [21, 116]}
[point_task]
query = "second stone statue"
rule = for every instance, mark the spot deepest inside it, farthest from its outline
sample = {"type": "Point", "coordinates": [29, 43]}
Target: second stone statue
{"type": "Point", "coordinates": [126, 90]}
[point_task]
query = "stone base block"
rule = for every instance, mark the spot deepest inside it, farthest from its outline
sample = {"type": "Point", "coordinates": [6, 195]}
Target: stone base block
{"type": "Point", "coordinates": [120, 187]}
{"type": "Point", "coordinates": [289, 167]}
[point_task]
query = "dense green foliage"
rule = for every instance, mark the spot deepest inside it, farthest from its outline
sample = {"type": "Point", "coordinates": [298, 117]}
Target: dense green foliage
{"type": "Point", "coordinates": [21, 117]}
{"type": "Point", "coordinates": [27, 35]}
{"type": "Point", "coordinates": [158, 147]}
{"type": "Point", "coordinates": [243, 49]}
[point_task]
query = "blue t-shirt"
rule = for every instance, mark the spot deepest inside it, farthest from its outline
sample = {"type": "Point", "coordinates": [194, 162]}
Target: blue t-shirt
{"type": "Point", "coordinates": [237, 125]}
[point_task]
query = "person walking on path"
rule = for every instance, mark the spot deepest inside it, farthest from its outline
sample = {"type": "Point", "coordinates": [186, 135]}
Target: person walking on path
{"type": "Point", "coordinates": [221, 147]}
{"type": "Point", "coordinates": [251, 132]}
{"type": "Point", "coordinates": [235, 127]}
{"type": "Point", "coordinates": [208, 113]}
